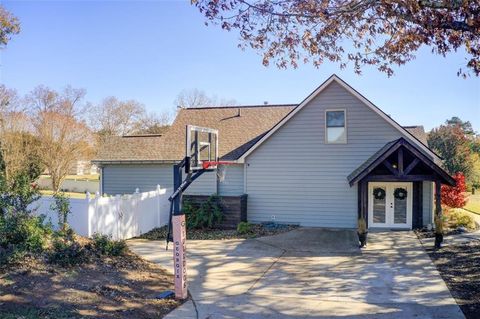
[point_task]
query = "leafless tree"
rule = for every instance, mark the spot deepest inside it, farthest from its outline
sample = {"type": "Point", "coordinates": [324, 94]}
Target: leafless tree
{"type": "Point", "coordinates": [115, 117]}
{"type": "Point", "coordinates": [63, 136]}
{"type": "Point", "coordinates": [197, 98]}
{"type": "Point", "coordinates": [17, 144]}
{"type": "Point", "coordinates": [153, 123]}
{"type": "Point", "coordinates": [68, 102]}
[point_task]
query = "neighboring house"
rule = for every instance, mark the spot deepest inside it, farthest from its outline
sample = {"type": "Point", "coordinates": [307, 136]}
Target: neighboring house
{"type": "Point", "coordinates": [83, 167]}
{"type": "Point", "coordinates": [324, 162]}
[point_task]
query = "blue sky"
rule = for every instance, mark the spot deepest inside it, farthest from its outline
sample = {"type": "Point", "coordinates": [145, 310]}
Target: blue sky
{"type": "Point", "coordinates": [150, 51]}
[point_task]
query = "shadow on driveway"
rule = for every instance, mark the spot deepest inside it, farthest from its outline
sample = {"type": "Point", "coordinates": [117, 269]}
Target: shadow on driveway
{"type": "Point", "coordinates": [310, 273]}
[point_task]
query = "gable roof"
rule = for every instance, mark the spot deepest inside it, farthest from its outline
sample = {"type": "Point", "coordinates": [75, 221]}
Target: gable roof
{"type": "Point", "coordinates": [241, 130]}
{"type": "Point", "coordinates": [376, 159]}
{"type": "Point", "coordinates": [324, 85]}
{"type": "Point", "coordinates": [240, 127]}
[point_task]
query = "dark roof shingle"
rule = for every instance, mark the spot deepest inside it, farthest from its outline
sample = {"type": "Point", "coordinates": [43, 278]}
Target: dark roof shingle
{"type": "Point", "coordinates": [239, 128]}
{"type": "Point", "coordinates": [418, 132]}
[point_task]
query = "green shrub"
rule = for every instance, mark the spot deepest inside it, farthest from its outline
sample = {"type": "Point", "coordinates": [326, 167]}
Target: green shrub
{"type": "Point", "coordinates": [460, 219]}
{"type": "Point", "coordinates": [244, 228]}
{"type": "Point", "coordinates": [66, 253]}
{"type": "Point", "coordinates": [21, 233]}
{"type": "Point", "coordinates": [17, 194]}
{"type": "Point", "coordinates": [61, 205]}
{"type": "Point", "coordinates": [11, 255]}
{"type": "Point", "coordinates": [106, 246]}
{"type": "Point", "coordinates": [206, 215]}
{"type": "Point", "coordinates": [67, 234]}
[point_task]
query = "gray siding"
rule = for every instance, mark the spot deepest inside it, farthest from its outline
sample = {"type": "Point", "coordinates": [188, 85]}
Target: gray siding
{"type": "Point", "coordinates": [124, 179]}
{"type": "Point", "coordinates": [297, 178]}
{"type": "Point", "coordinates": [427, 203]}
{"type": "Point", "coordinates": [233, 183]}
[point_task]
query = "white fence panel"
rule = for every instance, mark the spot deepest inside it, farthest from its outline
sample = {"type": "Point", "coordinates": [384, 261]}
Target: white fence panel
{"type": "Point", "coordinates": [78, 219]}
{"type": "Point", "coordinates": [153, 209]}
{"type": "Point", "coordinates": [120, 217]}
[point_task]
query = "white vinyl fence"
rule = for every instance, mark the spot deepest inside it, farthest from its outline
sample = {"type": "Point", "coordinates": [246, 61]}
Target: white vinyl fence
{"type": "Point", "coordinates": [122, 216]}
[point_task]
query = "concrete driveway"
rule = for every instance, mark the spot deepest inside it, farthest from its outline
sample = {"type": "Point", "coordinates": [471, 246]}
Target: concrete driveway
{"type": "Point", "coordinates": [309, 273]}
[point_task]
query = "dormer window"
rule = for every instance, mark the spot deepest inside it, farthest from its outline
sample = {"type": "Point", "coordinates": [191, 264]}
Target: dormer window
{"type": "Point", "coordinates": [335, 127]}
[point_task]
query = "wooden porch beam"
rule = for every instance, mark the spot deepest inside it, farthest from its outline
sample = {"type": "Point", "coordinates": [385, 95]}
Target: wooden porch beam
{"type": "Point", "coordinates": [392, 178]}
{"type": "Point", "coordinates": [392, 169]}
{"type": "Point", "coordinates": [411, 166]}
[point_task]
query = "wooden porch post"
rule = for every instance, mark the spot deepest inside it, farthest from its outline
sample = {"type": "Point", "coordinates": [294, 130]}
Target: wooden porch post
{"type": "Point", "coordinates": [438, 214]}
{"type": "Point", "coordinates": [362, 225]}
{"type": "Point", "coordinates": [362, 200]}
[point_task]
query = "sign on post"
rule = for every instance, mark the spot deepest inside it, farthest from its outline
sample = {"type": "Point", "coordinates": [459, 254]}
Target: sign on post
{"type": "Point", "coordinates": [179, 258]}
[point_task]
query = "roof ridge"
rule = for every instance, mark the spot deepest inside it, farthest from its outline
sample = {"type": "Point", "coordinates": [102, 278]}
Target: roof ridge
{"type": "Point", "coordinates": [239, 106]}
{"type": "Point", "coordinates": [142, 135]}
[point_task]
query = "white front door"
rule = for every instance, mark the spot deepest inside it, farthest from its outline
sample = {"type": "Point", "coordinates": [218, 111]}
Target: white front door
{"type": "Point", "coordinates": [387, 210]}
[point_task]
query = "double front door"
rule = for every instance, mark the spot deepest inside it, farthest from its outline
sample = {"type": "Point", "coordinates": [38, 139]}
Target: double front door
{"type": "Point", "coordinates": [390, 205]}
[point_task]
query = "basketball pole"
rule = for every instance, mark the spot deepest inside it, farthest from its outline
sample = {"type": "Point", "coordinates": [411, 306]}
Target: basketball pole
{"type": "Point", "coordinates": [177, 222]}
{"type": "Point", "coordinates": [177, 225]}
{"type": "Point", "coordinates": [179, 239]}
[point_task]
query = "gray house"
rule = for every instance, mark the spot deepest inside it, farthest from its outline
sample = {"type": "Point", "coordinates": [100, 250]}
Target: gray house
{"type": "Point", "coordinates": [323, 163]}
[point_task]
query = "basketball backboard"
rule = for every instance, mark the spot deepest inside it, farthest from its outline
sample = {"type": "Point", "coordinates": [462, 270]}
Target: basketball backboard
{"type": "Point", "coordinates": [201, 146]}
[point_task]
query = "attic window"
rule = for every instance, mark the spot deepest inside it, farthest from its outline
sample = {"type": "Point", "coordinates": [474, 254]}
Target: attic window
{"type": "Point", "coordinates": [335, 127]}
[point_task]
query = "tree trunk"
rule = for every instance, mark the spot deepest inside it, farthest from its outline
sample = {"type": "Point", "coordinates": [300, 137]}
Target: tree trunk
{"type": "Point", "coordinates": [55, 182]}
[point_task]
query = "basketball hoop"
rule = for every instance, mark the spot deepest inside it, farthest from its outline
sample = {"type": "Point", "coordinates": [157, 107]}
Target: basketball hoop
{"type": "Point", "coordinates": [220, 167]}
{"type": "Point", "coordinates": [201, 156]}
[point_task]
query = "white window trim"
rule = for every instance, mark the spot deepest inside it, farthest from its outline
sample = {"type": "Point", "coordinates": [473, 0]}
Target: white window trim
{"type": "Point", "coordinates": [326, 128]}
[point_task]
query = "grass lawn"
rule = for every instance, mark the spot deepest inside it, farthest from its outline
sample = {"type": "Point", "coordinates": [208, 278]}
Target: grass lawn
{"type": "Point", "coordinates": [104, 287]}
{"type": "Point", "coordinates": [68, 194]}
{"type": "Point", "coordinates": [473, 203]}
{"type": "Point", "coordinates": [95, 177]}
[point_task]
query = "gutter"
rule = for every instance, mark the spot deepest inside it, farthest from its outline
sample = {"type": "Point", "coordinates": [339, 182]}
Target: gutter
{"type": "Point", "coordinates": [99, 163]}
{"type": "Point", "coordinates": [109, 162]}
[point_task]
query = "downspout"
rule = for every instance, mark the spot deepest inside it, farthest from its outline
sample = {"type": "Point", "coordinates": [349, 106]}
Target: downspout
{"type": "Point", "coordinates": [101, 181]}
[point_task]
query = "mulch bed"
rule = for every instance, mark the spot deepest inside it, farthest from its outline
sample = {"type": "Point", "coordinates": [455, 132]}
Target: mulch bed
{"type": "Point", "coordinates": [104, 287]}
{"type": "Point", "coordinates": [424, 233]}
{"type": "Point", "coordinates": [257, 230]}
{"type": "Point", "coordinates": [459, 266]}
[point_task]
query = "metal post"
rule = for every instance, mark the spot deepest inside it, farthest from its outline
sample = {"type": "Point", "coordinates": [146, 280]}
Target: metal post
{"type": "Point", "coordinates": [177, 181]}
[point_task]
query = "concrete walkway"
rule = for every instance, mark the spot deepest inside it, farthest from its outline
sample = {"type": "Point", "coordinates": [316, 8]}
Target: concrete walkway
{"type": "Point", "coordinates": [309, 273]}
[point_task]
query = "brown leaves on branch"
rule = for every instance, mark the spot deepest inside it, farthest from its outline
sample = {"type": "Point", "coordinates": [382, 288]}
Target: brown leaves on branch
{"type": "Point", "coordinates": [9, 25]}
{"type": "Point", "coordinates": [381, 33]}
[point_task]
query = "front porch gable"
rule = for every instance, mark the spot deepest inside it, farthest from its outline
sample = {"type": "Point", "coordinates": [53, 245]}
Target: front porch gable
{"type": "Point", "coordinates": [398, 161]}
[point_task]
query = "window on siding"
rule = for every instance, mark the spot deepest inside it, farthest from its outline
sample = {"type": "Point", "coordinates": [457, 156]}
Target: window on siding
{"type": "Point", "coordinates": [336, 131]}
